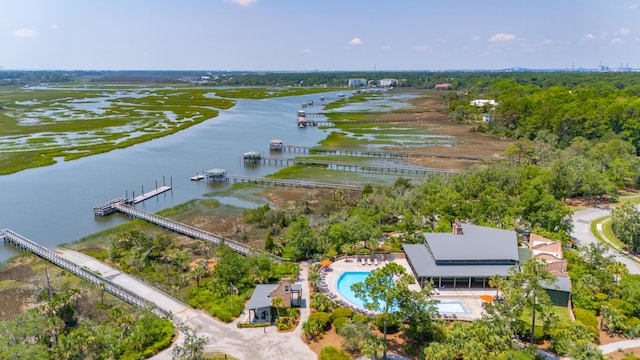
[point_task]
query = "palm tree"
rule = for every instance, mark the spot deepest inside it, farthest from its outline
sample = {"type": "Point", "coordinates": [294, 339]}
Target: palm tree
{"type": "Point", "coordinates": [618, 269]}
{"type": "Point", "coordinates": [277, 303]}
{"type": "Point", "coordinates": [314, 277]}
{"type": "Point", "coordinates": [198, 272]}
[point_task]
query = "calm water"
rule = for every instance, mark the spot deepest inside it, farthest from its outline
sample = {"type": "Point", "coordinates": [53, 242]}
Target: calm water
{"type": "Point", "coordinates": [54, 205]}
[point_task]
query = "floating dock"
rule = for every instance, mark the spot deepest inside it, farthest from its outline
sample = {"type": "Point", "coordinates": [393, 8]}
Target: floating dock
{"type": "Point", "coordinates": [150, 194]}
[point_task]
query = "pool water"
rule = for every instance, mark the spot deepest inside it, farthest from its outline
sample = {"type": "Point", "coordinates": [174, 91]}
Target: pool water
{"type": "Point", "coordinates": [351, 277]}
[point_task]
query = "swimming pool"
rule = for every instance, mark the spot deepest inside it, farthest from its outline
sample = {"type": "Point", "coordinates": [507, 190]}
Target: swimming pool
{"type": "Point", "coordinates": [351, 277]}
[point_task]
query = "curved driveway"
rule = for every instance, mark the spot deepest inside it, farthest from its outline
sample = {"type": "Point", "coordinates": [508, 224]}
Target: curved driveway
{"type": "Point", "coordinates": [247, 343]}
{"type": "Point", "coordinates": [582, 232]}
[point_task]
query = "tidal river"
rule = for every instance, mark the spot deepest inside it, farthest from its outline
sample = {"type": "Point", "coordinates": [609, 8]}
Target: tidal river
{"type": "Point", "coordinates": [54, 204]}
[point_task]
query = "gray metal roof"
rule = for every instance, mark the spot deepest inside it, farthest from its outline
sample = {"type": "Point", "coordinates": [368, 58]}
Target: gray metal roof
{"type": "Point", "coordinates": [476, 243]}
{"type": "Point", "coordinates": [296, 287]}
{"type": "Point", "coordinates": [562, 283]}
{"type": "Point", "coordinates": [425, 266]}
{"type": "Point", "coordinates": [260, 297]}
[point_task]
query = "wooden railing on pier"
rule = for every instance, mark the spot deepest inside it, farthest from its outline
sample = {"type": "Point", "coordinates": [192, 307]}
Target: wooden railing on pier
{"type": "Point", "coordinates": [385, 154]}
{"type": "Point", "coordinates": [25, 244]}
{"type": "Point", "coordinates": [360, 167]}
{"type": "Point", "coordinates": [190, 231]}
{"type": "Point", "coordinates": [292, 183]}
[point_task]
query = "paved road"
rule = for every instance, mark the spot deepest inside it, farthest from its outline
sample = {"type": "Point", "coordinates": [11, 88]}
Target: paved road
{"type": "Point", "coordinates": [253, 343]}
{"type": "Point", "coordinates": [582, 232]}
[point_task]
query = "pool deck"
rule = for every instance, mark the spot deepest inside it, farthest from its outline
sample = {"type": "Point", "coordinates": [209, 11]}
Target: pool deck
{"type": "Point", "coordinates": [470, 298]}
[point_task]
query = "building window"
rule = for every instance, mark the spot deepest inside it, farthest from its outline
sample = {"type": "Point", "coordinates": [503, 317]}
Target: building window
{"type": "Point", "coordinates": [286, 289]}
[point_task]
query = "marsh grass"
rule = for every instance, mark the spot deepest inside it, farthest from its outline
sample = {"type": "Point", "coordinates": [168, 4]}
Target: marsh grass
{"type": "Point", "coordinates": [265, 93]}
{"type": "Point", "coordinates": [52, 124]}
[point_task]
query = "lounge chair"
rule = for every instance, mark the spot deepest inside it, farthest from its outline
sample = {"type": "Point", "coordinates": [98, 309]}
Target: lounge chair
{"type": "Point", "coordinates": [362, 261]}
{"type": "Point", "coordinates": [368, 261]}
{"type": "Point", "coordinates": [375, 261]}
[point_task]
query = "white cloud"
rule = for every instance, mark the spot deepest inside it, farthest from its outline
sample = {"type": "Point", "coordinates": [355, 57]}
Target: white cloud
{"type": "Point", "coordinates": [589, 36]}
{"type": "Point", "coordinates": [306, 51]}
{"type": "Point", "coordinates": [476, 38]}
{"type": "Point", "coordinates": [385, 47]}
{"type": "Point", "coordinates": [25, 32]}
{"type": "Point", "coordinates": [634, 6]}
{"type": "Point", "coordinates": [355, 41]}
{"type": "Point", "coordinates": [242, 2]}
{"type": "Point", "coordinates": [617, 40]}
{"type": "Point", "coordinates": [502, 37]}
{"type": "Point", "coordinates": [547, 42]}
{"type": "Point", "coordinates": [421, 48]}
{"type": "Point", "coordinates": [55, 27]}
{"type": "Point", "coordinates": [623, 31]}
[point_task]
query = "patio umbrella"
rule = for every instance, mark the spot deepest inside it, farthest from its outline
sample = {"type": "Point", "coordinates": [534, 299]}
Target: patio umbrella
{"type": "Point", "coordinates": [487, 298]}
{"type": "Point", "coordinates": [325, 262]}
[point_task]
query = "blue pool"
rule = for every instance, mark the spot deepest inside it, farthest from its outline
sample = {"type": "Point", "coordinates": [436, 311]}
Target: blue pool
{"type": "Point", "coordinates": [351, 277]}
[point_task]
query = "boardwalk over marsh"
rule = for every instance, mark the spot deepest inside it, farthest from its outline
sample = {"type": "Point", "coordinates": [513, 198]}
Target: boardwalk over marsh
{"type": "Point", "coordinates": [77, 268]}
{"type": "Point", "coordinates": [290, 183]}
{"type": "Point", "coordinates": [364, 168]}
{"type": "Point", "coordinates": [188, 230]}
{"type": "Point", "coordinates": [383, 154]}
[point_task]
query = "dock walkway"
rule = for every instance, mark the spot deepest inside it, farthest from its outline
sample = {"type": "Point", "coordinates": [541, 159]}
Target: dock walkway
{"type": "Point", "coordinates": [75, 268]}
{"type": "Point", "coordinates": [384, 154]}
{"type": "Point", "coordinates": [365, 168]}
{"type": "Point", "coordinates": [291, 183]}
{"type": "Point", "coordinates": [189, 231]}
{"type": "Point", "coordinates": [150, 194]}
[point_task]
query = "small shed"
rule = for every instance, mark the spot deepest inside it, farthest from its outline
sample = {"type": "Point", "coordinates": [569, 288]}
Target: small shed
{"type": "Point", "coordinates": [260, 304]}
{"type": "Point", "coordinates": [560, 291]}
{"type": "Point", "coordinates": [276, 145]}
{"type": "Point", "coordinates": [215, 175]}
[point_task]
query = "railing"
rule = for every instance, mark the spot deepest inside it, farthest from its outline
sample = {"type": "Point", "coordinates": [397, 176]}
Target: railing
{"type": "Point", "coordinates": [292, 183]}
{"type": "Point", "coordinates": [27, 245]}
{"type": "Point", "coordinates": [191, 231]}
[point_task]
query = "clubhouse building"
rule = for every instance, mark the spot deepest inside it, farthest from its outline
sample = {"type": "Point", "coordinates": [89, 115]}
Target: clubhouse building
{"type": "Point", "coordinates": [470, 255]}
{"type": "Point", "coordinates": [465, 258]}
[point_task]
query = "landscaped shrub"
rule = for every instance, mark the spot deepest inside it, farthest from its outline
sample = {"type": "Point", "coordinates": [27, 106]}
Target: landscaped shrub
{"type": "Point", "coordinates": [392, 323]}
{"type": "Point", "coordinates": [359, 318]}
{"type": "Point", "coordinates": [339, 322]}
{"type": "Point", "coordinates": [331, 353]}
{"type": "Point", "coordinates": [588, 319]}
{"type": "Point", "coordinates": [323, 317]}
{"type": "Point", "coordinates": [341, 312]}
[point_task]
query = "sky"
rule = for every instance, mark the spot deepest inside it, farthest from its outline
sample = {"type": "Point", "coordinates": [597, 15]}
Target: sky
{"type": "Point", "coordinates": [318, 35]}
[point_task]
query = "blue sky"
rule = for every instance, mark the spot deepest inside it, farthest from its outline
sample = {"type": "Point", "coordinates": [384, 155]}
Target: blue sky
{"type": "Point", "coordinates": [325, 35]}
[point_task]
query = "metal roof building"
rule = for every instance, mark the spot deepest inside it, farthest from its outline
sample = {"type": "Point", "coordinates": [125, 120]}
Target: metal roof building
{"type": "Point", "coordinates": [467, 257]}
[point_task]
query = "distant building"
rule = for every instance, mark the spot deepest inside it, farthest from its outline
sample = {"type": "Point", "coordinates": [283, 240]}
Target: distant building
{"type": "Point", "coordinates": [442, 86]}
{"type": "Point", "coordinates": [388, 82]}
{"type": "Point", "coordinates": [483, 102]}
{"type": "Point", "coordinates": [357, 82]}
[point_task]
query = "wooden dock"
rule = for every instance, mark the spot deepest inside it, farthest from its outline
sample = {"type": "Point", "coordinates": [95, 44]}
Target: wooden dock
{"type": "Point", "coordinates": [290, 183]}
{"type": "Point", "coordinates": [25, 244]}
{"type": "Point", "coordinates": [385, 154]}
{"type": "Point", "coordinates": [150, 194]}
{"type": "Point", "coordinates": [364, 168]}
{"type": "Point", "coordinates": [183, 229]}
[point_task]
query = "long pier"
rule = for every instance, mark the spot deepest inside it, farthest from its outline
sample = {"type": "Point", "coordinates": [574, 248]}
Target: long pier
{"type": "Point", "coordinates": [384, 154]}
{"type": "Point", "coordinates": [368, 168]}
{"type": "Point", "coordinates": [183, 229]}
{"type": "Point", "coordinates": [283, 182]}
{"type": "Point", "coordinates": [25, 244]}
